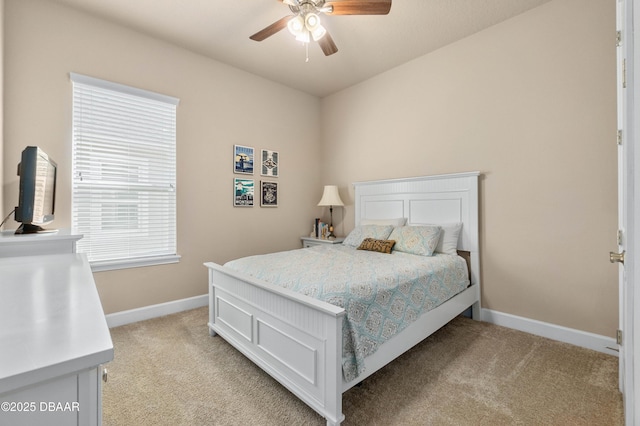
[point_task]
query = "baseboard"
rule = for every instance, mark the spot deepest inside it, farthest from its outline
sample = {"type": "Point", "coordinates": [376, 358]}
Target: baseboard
{"type": "Point", "coordinates": [583, 339]}
{"type": "Point", "coordinates": [147, 312]}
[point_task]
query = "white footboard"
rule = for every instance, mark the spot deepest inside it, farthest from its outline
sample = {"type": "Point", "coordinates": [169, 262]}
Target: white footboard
{"type": "Point", "coordinates": [294, 338]}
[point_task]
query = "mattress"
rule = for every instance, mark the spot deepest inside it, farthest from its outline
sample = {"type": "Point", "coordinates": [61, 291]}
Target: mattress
{"type": "Point", "coordinates": [380, 293]}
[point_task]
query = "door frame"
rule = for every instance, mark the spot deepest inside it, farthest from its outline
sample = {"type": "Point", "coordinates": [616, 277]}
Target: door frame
{"type": "Point", "coordinates": [633, 175]}
{"type": "Point", "coordinates": [628, 17]}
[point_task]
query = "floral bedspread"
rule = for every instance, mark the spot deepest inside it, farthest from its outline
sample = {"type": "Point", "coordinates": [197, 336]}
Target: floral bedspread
{"type": "Point", "coordinates": [381, 293]}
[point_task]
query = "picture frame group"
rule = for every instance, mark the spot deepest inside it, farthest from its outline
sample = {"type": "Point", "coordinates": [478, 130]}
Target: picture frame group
{"type": "Point", "coordinates": [244, 162]}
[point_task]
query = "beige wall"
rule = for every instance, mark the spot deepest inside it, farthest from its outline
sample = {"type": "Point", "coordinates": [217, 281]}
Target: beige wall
{"type": "Point", "coordinates": [531, 104]}
{"type": "Point", "coordinates": [219, 106]}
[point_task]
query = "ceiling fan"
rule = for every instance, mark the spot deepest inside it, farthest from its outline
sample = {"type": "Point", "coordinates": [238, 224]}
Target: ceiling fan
{"type": "Point", "coordinates": [305, 24]}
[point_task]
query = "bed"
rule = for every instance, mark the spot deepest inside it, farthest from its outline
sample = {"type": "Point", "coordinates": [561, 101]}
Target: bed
{"type": "Point", "coordinates": [298, 339]}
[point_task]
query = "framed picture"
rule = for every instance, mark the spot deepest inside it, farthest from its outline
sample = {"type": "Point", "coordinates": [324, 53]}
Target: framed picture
{"type": "Point", "coordinates": [243, 159]}
{"type": "Point", "coordinates": [242, 192]}
{"type": "Point", "coordinates": [269, 194]}
{"type": "Point", "coordinates": [269, 163]}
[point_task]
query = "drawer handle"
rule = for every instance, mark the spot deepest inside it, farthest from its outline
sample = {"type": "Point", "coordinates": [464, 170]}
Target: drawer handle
{"type": "Point", "coordinates": [105, 375]}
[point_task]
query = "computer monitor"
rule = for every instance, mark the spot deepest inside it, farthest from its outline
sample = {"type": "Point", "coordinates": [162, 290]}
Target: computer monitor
{"type": "Point", "coordinates": [37, 197]}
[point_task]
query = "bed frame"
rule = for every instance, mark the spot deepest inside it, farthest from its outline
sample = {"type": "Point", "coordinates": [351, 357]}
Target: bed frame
{"type": "Point", "coordinates": [298, 339]}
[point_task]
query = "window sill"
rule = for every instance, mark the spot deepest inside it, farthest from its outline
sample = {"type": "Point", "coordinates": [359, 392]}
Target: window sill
{"type": "Point", "coordinates": [110, 265]}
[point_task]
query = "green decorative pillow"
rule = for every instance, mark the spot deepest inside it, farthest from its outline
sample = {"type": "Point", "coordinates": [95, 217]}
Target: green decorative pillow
{"type": "Point", "coordinates": [381, 246]}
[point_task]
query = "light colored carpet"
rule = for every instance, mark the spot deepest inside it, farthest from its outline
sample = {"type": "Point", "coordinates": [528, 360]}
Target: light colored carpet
{"type": "Point", "coordinates": [169, 371]}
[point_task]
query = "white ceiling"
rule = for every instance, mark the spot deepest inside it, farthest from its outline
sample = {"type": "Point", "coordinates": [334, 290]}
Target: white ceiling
{"type": "Point", "coordinates": [368, 45]}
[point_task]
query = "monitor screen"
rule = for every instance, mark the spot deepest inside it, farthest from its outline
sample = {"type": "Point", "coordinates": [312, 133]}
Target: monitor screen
{"type": "Point", "coordinates": [36, 203]}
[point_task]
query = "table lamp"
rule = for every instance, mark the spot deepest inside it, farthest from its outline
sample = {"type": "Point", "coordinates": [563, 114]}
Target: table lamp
{"type": "Point", "coordinates": [331, 197]}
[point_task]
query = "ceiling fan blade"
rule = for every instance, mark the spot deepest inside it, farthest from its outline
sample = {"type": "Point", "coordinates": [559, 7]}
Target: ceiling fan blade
{"type": "Point", "coordinates": [359, 7]}
{"type": "Point", "coordinates": [271, 29]}
{"type": "Point", "coordinates": [327, 45]}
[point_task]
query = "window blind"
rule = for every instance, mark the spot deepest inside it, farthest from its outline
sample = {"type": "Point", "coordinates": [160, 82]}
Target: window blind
{"type": "Point", "coordinates": [124, 174]}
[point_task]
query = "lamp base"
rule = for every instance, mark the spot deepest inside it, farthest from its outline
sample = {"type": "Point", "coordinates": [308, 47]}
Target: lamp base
{"type": "Point", "coordinates": [331, 235]}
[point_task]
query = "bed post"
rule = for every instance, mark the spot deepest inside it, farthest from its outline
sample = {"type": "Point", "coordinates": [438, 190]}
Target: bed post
{"type": "Point", "coordinates": [334, 385]}
{"type": "Point", "coordinates": [476, 308]}
{"type": "Point", "coordinates": [211, 305]}
{"type": "Point", "coordinates": [474, 219]}
{"type": "Point", "coordinates": [476, 311]}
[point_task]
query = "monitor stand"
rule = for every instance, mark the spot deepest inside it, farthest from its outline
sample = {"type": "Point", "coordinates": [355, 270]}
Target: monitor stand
{"type": "Point", "coordinates": [28, 228]}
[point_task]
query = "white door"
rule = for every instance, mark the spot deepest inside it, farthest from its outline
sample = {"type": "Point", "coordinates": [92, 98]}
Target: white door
{"type": "Point", "coordinates": [628, 189]}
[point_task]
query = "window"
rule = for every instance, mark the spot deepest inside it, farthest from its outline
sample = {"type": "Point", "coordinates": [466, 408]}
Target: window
{"type": "Point", "coordinates": [124, 174]}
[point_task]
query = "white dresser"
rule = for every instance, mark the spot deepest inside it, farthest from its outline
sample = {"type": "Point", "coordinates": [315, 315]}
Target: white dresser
{"type": "Point", "coordinates": [54, 339]}
{"type": "Point", "coordinates": [62, 241]}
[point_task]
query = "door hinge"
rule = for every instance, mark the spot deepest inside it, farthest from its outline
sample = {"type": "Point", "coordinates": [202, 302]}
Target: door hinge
{"type": "Point", "coordinates": [619, 137]}
{"type": "Point", "coordinates": [620, 235]}
{"type": "Point", "coordinates": [618, 38]}
{"type": "Point", "coordinates": [619, 337]}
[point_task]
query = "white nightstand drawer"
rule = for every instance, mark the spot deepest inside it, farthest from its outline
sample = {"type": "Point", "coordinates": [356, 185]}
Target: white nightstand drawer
{"type": "Point", "coordinates": [311, 241]}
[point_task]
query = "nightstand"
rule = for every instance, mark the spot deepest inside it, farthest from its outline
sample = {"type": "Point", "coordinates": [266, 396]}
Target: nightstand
{"type": "Point", "coordinates": [312, 241]}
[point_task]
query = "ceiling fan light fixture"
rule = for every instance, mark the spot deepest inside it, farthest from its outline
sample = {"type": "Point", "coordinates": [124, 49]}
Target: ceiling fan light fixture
{"type": "Point", "coordinates": [296, 25]}
{"type": "Point", "coordinates": [303, 36]}
{"type": "Point", "coordinates": [311, 21]}
{"type": "Point", "coordinates": [318, 33]}
{"type": "Point", "coordinates": [304, 20]}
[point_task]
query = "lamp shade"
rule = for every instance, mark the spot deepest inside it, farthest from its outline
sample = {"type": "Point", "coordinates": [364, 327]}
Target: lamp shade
{"type": "Point", "coordinates": [330, 196]}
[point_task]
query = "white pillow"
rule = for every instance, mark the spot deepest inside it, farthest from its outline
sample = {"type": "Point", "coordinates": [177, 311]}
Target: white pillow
{"type": "Point", "coordinates": [400, 221]}
{"type": "Point", "coordinates": [359, 233]}
{"type": "Point", "coordinates": [448, 243]}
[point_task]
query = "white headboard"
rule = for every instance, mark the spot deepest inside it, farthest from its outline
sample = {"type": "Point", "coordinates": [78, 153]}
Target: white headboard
{"type": "Point", "coordinates": [426, 200]}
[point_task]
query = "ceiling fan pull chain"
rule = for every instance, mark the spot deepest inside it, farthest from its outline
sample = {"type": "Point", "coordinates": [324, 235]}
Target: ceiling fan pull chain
{"type": "Point", "coordinates": [306, 46]}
